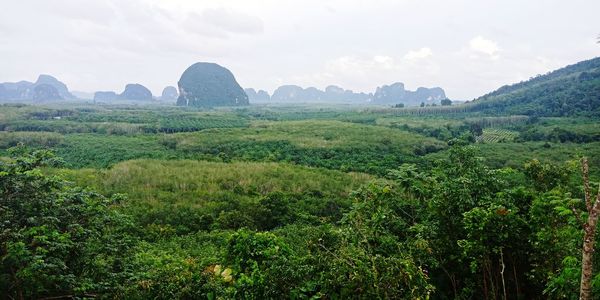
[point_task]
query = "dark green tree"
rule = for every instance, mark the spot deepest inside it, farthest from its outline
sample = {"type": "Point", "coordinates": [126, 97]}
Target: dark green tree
{"type": "Point", "coordinates": [446, 102]}
{"type": "Point", "coordinates": [55, 240]}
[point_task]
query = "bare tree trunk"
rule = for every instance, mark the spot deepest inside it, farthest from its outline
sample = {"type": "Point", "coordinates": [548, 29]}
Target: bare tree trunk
{"type": "Point", "coordinates": [515, 276]}
{"type": "Point", "coordinates": [589, 232]}
{"type": "Point", "coordinates": [502, 272]}
{"type": "Point", "coordinates": [586, 262]}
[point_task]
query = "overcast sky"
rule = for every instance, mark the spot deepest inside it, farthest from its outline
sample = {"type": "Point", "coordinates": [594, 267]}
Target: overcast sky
{"type": "Point", "coordinates": [466, 47]}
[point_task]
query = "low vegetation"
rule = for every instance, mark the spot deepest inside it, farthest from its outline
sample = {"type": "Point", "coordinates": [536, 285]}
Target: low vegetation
{"type": "Point", "coordinates": [265, 203]}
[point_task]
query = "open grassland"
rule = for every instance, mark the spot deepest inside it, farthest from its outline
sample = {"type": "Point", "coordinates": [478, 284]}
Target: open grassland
{"type": "Point", "coordinates": [310, 134]}
{"type": "Point", "coordinates": [199, 181]}
{"type": "Point", "coordinates": [191, 195]}
{"type": "Point", "coordinates": [330, 144]}
{"type": "Point", "coordinates": [414, 121]}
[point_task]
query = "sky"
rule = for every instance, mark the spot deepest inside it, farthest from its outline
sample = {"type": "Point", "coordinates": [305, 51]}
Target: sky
{"type": "Point", "coordinates": [467, 47]}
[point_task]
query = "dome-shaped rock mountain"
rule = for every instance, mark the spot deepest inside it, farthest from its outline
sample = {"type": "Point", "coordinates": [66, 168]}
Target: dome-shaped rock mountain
{"type": "Point", "coordinates": [136, 92]}
{"type": "Point", "coordinates": [208, 84]}
{"type": "Point", "coordinates": [169, 94]}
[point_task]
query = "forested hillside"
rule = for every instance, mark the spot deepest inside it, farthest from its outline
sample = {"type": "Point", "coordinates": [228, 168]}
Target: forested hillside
{"type": "Point", "coordinates": [570, 91]}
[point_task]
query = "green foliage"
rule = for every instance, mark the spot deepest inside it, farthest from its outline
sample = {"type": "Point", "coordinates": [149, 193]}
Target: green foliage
{"type": "Point", "coordinates": [446, 102]}
{"type": "Point", "coordinates": [33, 139]}
{"type": "Point", "coordinates": [570, 91]}
{"type": "Point", "coordinates": [493, 135]}
{"type": "Point", "coordinates": [378, 252]}
{"type": "Point", "coordinates": [545, 177]}
{"type": "Point", "coordinates": [331, 144]}
{"type": "Point", "coordinates": [257, 203]}
{"type": "Point", "coordinates": [252, 255]}
{"type": "Point", "coordinates": [192, 195]}
{"type": "Point", "coordinates": [55, 239]}
{"type": "Point", "coordinates": [560, 130]}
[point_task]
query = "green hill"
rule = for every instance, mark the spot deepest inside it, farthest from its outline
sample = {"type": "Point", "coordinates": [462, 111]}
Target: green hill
{"type": "Point", "coordinates": [569, 91]}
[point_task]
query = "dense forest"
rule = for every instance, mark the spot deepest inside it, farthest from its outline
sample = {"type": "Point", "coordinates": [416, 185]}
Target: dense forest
{"type": "Point", "coordinates": [570, 91]}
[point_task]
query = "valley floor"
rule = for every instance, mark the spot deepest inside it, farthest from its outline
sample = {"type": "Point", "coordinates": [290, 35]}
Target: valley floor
{"type": "Point", "coordinates": [291, 202]}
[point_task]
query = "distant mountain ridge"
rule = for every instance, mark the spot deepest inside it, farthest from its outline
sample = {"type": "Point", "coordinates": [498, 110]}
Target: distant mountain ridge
{"type": "Point", "coordinates": [572, 90]}
{"type": "Point", "coordinates": [132, 91]}
{"type": "Point", "coordinates": [257, 97]}
{"type": "Point", "coordinates": [396, 93]}
{"type": "Point", "coordinates": [208, 84]}
{"type": "Point", "coordinates": [46, 88]}
{"type": "Point", "coordinates": [297, 94]}
{"type": "Point", "coordinates": [384, 95]}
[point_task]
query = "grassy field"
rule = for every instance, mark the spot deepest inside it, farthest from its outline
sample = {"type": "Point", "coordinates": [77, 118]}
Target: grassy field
{"type": "Point", "coordinates": [191, 195]}
{"type": "Point", "coordinates": [310, 134]}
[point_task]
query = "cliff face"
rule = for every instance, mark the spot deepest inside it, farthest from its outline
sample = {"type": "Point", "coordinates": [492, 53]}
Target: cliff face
{"type": "Point", "coordinates": [60, 87]}
{"type": "Point", "coordinates": [46, 92]}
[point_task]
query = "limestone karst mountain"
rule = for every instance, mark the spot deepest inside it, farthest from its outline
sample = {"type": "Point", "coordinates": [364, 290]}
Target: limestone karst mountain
{"type": "Point", "coordinates": [45, 92]}
{"type": "Point", "coordinates": [26, 91]}
{"type": "Point", "coordinates": [105, 96]}
{"type": "Point", "coordinates": [396, 93]}
{"type": "Point", "coordinates": [257, 97]}
{"type": "Point", "coordinates": [384, 95]}
{"type": "Point", "coordinates": [331, 94]}
{"type": "Point", "coordinates": [132, 91]}
{"type": "Point", "coordinates": [62, 89]}
{"type": "Point", "coordinates": [208, 84]}
{"type": "Point", "coordinates": [136, 91]}
{"type": "Point", "coordinates": [169, 93]}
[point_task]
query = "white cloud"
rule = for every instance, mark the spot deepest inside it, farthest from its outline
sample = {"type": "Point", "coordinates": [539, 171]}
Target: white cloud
{"type": "Point", "coordinates": [233, 21]}
{"type": "Point", "coordinates": [418, 54]}
{"type": "Point", "coordinates": [485, 46]}
{"type": "Point", "coordinates": [220, 23]}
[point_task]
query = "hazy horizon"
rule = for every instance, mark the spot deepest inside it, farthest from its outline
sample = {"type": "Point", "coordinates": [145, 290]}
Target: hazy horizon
{"type": "Point", "coordinates": [466, 47]}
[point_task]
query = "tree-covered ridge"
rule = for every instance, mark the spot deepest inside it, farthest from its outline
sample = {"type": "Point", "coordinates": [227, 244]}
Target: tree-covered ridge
{"type": "Point", "coordinates": [572, 90]}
